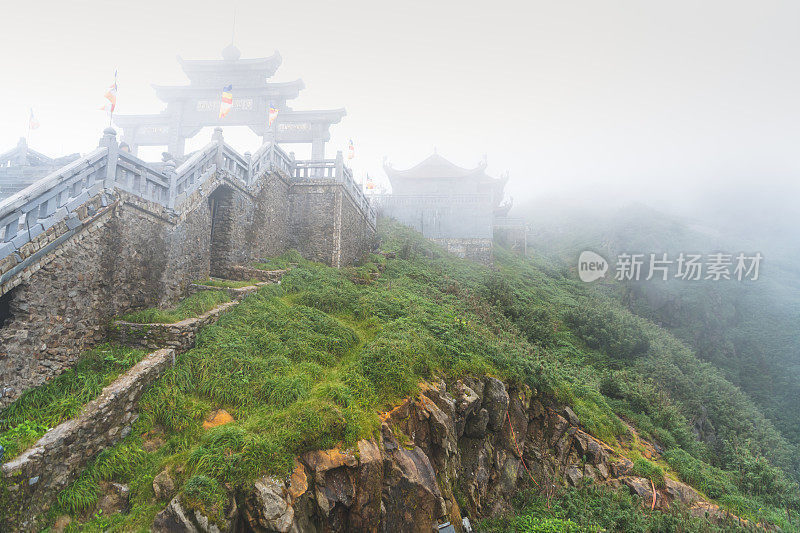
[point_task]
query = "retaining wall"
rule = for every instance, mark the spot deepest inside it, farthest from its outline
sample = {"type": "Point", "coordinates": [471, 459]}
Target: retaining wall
{"type": "Point", "coordinates": [32, 481]}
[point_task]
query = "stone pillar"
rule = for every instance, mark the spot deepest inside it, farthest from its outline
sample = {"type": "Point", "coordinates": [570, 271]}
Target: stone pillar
{"type": "Point", "coordinates": [169, 170]}
{"type": "Point", "coordinates": [177, 143]}
{"type": "Point", "coordinates": [249, 177]}
{"type": "Point", "coordinates": [339, 166]}
{"type": "Point", "coordinates": [109, 140]}
{"type": "Point", "coordinates": [217, 138]}
{"type": "Point", "coordinates": [317, 149]}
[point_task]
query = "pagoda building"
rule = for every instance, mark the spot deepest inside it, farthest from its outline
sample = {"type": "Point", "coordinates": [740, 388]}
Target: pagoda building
{"type": "Point", "coordinates": [191, 107]}
{"type": "Point", "coordinates": [451, 205]}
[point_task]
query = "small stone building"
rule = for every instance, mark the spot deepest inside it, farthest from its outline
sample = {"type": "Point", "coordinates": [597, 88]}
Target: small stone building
{"type": "Point", "coordinates": [453, 206]}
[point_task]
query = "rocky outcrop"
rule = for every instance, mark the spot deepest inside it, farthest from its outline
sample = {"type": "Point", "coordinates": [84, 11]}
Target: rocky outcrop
{"type": "Point", "coordinates": [453, 451]}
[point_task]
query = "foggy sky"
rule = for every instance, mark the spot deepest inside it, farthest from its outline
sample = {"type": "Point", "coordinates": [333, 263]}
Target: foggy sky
{"type": "Point", "coordinates": [602, 99]}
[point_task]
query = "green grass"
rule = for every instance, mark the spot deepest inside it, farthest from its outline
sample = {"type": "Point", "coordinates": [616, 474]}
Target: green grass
{"type": "Point", "coordinates": [190, 307]}
{"type": "Point", "coordinates": [649, 470]}
{"type": "Point", "coordinates": [226, 283]}
{"type": "Point", "coordinates": [32, 414]}
{"type": "Point", "coordinates": [309, 364]}
{"type": "Point", "coordinates": [594, 508]}
{"type": "Point", "coordinates": [282, 262]}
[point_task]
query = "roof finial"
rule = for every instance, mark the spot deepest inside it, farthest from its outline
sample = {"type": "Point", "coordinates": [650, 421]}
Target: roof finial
{"type": "Point", "coordinates": [230, 52]}
{"type": "Point", "coordinates": [233, 30]}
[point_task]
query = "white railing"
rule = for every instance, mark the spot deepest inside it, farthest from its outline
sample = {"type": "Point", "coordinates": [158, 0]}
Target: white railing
{"type": "Point", "coordinates": [137, 177]}
{"type": "Point", "coordinates": [54, 198]}
{"type": "Point", "coordinates": [33, 210]}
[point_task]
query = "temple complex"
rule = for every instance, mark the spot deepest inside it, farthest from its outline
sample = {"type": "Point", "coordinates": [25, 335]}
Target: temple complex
{"type": "Point", "coordinates": [454, 206]}
{"type": "Point", "coordinates": [194, 106]}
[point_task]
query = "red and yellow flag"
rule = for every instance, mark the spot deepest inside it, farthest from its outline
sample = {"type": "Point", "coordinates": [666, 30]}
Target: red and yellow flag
{"type": "Point", "coordinates": [226, 101]}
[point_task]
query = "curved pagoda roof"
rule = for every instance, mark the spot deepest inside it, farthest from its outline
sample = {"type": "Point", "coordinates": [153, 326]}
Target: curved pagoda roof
{"type": "Point", "coordinates": [201, 71]}
{"type": "Point", "coordinates": [436, 167]}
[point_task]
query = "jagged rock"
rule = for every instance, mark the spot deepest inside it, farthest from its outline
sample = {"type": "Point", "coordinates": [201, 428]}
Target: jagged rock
{"type": "Point", "coordinates": [320, 461]}
{"type": "Point", "coordinates": [467, 403]}
{"type": "Point", "coordinates": [163, 485]}
{"type": "Point", "coordinates": [442, 430]}
{"type": "Point", "coordinates": [621, 467]}
{"type": "Point", "coordinates": [467, 400]}
{"type": "Point", "coordinates": [602, 470]}
{"type": "Point", "coordinates": [267, 508]}
{"type": "Point", "coordinates": [442, 399]}
{"type": "Point", "coordinates": [476, 385]}
{"type": "Point", "coordinates": [114, 498]}
{"type": "Point", "coordinates": [477, 424]}
{"type": "Point", "coordinates": [334, 485]}
{"type": "Point", "coordinates": [589, 447]}
{"type": "Point", "coordinates": [365, 514]}
{"type": "Point", "coordinates": [643, 488]}
{"type": "Point", "coordinates": [537, 410]}
{"type": "Point", "coordinates": [513, 435]}
{"type": "Point", "coordinates": [411, 497]}
{"type": "Point", "coordinates": [563, 447]}
{"type": "Point", "coordinates": [476, 464]}
{"type": "Point", "coordinates": [173, 519]}
{"type": "Point", "coordinates": [571, 417]}
{"type": "Point", "coordinates": [680, 492]}
{"type": "Point", "coordinates": [298, 482]}
{"type": "Point", "coordinates": [558, 425]}
{"type": "Point", "coordinates": [573, 475]}
{"type": "Point", "coordinates": [495, 401]}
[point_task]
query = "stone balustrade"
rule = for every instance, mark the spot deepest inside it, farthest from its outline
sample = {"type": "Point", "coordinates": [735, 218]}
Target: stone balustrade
{"type": "Point", "coordinates": [55, 197]}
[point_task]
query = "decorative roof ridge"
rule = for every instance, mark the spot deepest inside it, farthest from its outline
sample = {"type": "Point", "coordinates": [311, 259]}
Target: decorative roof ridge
{"type": "Point", "coordinates": [435, 164]}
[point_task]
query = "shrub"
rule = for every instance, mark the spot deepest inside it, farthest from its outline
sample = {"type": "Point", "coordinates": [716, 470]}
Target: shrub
{"type": "Point", "coordinates": [618, 334]}
{"type": "Point", "coordinates": [650, 470]}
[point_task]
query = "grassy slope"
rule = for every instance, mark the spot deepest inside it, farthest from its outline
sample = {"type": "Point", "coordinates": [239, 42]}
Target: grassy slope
{"type": "Point", "coordinates": [310, 364]}
{"type": "Point", "coordinates": [190, 307]}
{"type": "Point", "coordinates": [32, 414]}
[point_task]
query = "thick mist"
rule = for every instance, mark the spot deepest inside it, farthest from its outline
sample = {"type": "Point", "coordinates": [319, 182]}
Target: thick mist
{"type": "Point", "coordinates": [688, 107]}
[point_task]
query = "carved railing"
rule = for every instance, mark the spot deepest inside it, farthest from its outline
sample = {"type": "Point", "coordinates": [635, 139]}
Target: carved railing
{"type": "Point", "coordinates": [334, 170]}
{"type": "Point", "coordinates": [193, 173]}
{"type": "Point", "coordinates": [33, 210]}
{"type": "Point", "coordinates": [54, 198]}
{"type": "Point", "coordinates": [136, 177]}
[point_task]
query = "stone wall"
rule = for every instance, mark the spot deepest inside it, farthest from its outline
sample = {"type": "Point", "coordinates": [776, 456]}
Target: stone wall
{"type": "Point", "coordinates": [357, 235]}
{"type": "Point", "coordinates": [475, 249]}
{"type": "Point", "coordinates": [129, 254]}
{"type": "Point", "coordinates": [513, 237]}
{"type": "Point", "coordinates": [179, 336]}
{"type": "Point", "coordinates": [32, 481]}
{"type": "Point", "coordinates": [326, 225]}
{"type": "Point", "coordinates": [313, 208]}
{"type": "Point", "coordinates": [124, 252]}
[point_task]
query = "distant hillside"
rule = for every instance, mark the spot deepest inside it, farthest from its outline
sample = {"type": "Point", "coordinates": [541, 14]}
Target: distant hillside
{"type": "Point", "coordinates": [748, 330]}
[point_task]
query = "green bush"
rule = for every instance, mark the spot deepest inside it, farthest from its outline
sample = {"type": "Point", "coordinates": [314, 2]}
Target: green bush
{"type": "Point", "coordinates": [650, 470]}
{"type": "Point", "coordinates": [616, 333]}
